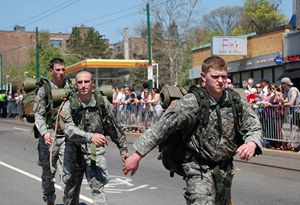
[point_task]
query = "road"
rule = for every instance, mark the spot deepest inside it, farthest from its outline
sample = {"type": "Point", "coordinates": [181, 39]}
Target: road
{"type": "Point", "coordinates": [272, 178]}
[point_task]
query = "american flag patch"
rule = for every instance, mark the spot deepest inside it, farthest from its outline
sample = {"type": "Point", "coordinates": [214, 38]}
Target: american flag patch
{"type": "Point", "coordinates": [62, 114]}
{"type": "Point", "coordinates": [173, 104]}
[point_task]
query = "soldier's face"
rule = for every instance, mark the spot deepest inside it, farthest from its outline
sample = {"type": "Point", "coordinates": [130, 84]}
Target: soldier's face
{"type": "Point", "coordinates": [84, 83]}
{"type": "Point", "coordinates": [215, 81]}
{"type": "Point", "coordinates": [58, 72]}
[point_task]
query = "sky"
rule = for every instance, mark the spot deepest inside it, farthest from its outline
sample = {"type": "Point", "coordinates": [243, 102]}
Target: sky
{"type": "Point", "coordinates": [109, 17]}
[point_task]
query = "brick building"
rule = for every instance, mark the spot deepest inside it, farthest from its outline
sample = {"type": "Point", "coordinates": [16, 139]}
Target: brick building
{"type": "Point", "coordinates": [15, 45]}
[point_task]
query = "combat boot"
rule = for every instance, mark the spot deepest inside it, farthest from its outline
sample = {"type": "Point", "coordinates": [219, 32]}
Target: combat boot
{"type": "Point", "coordinates": [50, 203]}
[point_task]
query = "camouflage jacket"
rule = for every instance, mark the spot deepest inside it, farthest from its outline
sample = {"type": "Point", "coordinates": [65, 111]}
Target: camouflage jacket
{"type": "Point", "coordinates": [184, 114]}
{"type": "Point", "coordinates": [91, 123]}
{"type": "Point", "coordinates": [39, 108]}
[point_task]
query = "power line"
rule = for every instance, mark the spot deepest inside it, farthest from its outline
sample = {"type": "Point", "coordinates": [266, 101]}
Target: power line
{"type": "Point", "coordinates": [39, 14]}
{"type": "Point", "coordinates": [132, 14]}
{"type": "Point", "coordinates": [111, 15]}
{"type": "Point", "coordinates": [52, 13]}
{"type": "Point", "coordinates": [21, 46]}
{"type": "Point", "coordinates": [117, 12]}
{"type": "Point", "coordinates": [116, 19]}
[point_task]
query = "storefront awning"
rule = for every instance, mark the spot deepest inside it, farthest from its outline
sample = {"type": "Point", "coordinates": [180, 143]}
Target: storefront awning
{"type": "Point", "coordinates": [292, 74]}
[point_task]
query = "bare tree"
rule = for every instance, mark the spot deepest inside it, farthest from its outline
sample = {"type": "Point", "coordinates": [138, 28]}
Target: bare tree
{"type": "Point", "coordinates": [224, 19]}
{"type": "Point", "coordinates": [170, 22]}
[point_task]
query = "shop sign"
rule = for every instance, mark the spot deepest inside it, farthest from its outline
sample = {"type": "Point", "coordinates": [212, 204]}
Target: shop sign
{"type": "Point", "coordinates": [252, 63]}
{"type": "Point", "coordinates": [292, 58]}
{"type": "Point", "coordinates": [229, 45]}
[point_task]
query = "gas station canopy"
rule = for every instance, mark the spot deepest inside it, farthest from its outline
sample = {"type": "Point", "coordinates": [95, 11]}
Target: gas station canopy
{"type": "Point", "coordinates": [107, 69]}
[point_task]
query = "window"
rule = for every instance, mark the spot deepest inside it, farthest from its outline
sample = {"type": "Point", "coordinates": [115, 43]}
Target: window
{"type": "Point", "coordinates": [256, 75]}
{"type": "Point", "coordinates": [277, 72]}
{"type": "Point", "coordinates": [56, 43]}
{"type": "Point", "coordinates": [267, 73]}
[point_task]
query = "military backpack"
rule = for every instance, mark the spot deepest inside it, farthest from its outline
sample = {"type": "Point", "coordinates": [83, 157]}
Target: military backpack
{"type": "Point", "coordinates": [173, 150]}
{"type": "Point", "coordinates": [30, 98]}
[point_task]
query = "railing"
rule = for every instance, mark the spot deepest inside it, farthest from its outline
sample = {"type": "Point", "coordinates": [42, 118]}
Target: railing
{"type": "Point", "coordinates": [279, 124]}
{"type": "Point", "coordinates": [14, 109]}
{"type": "Point", "coordinates": [137, 118]}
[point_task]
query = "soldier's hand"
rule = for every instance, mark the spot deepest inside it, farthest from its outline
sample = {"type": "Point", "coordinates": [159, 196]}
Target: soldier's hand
{"type": "Point", "coordinates": [132, 163]}
{"type": "Point", "coordinates": [246, 151]}
{"type": "Point", "coordinates": [48, 139]}
{"type": "Point", "coordinates": [98, 139]}
{"type": "Point", "coordinates": [124, 157]}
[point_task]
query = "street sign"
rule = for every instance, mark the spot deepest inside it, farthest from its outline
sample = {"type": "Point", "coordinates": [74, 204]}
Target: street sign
{"type": "Point", "coordinates": [150, 72]}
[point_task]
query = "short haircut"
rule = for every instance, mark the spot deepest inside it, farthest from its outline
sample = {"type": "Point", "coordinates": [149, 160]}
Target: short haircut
{"type": "Point", "coordinates": [56, 61]}
{"type": "Point", "coordinates": [266, 80]}
{"type": "Point", "coordinates": [214, 62]}
{"type": "Point", "coordinates": [84, 72]}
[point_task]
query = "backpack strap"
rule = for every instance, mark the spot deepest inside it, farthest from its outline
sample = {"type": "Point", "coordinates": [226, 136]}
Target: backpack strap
{"type": "Point", "coordinates": [204, 104]}
{"type": "Point", "coordinates": [100, 105]}
{"type": "Point", "coordinates": [44, 82]}
{"type": "Point", "coordinates": [235, 103]}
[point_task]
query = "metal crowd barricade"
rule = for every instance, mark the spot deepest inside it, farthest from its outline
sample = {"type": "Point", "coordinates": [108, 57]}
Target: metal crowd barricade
{"type": "Point", "coordinates": [137, 118]}
{"type": "Point", "coordinates": [12, 108]}
{"type": "Point", "coordinates": [279, 123]}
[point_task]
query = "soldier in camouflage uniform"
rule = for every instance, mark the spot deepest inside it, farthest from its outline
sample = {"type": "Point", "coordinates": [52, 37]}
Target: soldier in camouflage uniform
{"type": "Point", "coordinates": [57, 70]}
{"type": "Point", "coordinates": [218, 144]}
{"type": "Point", "coordinates": [82, 134]}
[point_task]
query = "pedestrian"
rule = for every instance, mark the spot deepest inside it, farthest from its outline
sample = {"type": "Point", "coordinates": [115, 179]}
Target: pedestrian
{"type": "Point", "coordinates": [218, 143]}
{"type": "Point", "coordinates": [85, 131]}
{"type": "Point", "coordinates": [3, 101]}
{"type": "Point", "coordinates": [42, 108]}
{"type": "Point", "coordinates": [291, 100]}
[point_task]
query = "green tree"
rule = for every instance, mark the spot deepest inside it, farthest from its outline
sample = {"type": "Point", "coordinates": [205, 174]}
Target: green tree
{"type": "Point", "coordinates": [89, 45]}
{"type": "Point", "coordinates": [216, 32]}
{"type": "Point", "coordinates": [46, 54]}
{"type": "Point", "coordinates": [119, 56]}
{"type": "Point", "coordinates": [261, 15]}
{"type": "Point", "coordinates": [75, 42]}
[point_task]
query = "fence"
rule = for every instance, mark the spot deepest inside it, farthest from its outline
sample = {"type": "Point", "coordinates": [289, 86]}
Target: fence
{"type": "Point", "coordinates": [279, 124]}
{"type": "Point", "coordinates": [14, 108]}
{"type": "Point", "coordinates": [137, 117]}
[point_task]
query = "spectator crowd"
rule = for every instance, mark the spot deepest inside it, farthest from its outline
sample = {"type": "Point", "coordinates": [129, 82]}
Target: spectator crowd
{"type": "Point", "coordinates": [276, 105]}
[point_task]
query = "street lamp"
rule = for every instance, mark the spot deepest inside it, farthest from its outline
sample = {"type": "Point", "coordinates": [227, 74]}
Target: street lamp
{"type": "Point", "coordinates": [25, 73]}
{"type": "Point", "coordinates": [7, 82]}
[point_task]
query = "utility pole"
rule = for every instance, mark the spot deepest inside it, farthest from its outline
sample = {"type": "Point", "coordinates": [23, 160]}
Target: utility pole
{"type": "Point", "coordinates": [37, 54]}
{"type": "Point", "coordinates": [150, 68]}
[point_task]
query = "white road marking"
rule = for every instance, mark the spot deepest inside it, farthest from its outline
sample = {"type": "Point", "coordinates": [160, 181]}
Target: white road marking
{"type": "Point", "coordinates": [115, 181]}
{"type": "Point", "coordinates": [39, 179]}
{"type": "Point", "coordinates": [16, 128]}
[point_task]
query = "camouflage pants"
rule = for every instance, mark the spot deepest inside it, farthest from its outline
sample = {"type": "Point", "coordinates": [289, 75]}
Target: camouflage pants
{"type": "Point", "coordinates": [201, 187]}
{"type": "Point", "coordinates": [44, 161]}
{"type": "Point", "coordinates": [73, 175]}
